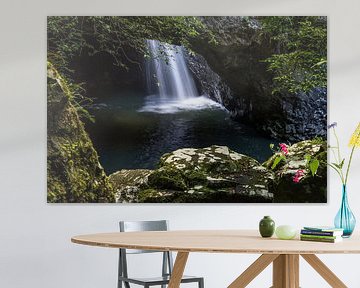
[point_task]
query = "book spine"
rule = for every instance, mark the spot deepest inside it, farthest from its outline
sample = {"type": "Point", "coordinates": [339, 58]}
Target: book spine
{"type": "Point", "coordinates": [317, 239]}
{"type": "Point", "coordinates": [319, 233]}
{"type": "Point", "coordinates": [318, 236]}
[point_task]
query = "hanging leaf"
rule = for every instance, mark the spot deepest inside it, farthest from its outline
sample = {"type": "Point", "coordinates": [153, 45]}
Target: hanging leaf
{"type": "Point", "coordinates": [277, 161]}
{"type": "Point", "coordinates": [314, 165]}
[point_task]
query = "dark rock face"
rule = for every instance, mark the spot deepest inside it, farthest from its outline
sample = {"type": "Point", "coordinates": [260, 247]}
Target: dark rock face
{"type": "Point", "coordinates": [74, 173]}
{"type": "Point", "coordinates": [311, 189]}
{"type": "Point", "coordinates": [302, 116]}
{"type": "Point", "coordinates": [208, 82]}
{"type": "Point", "coordinates": [238, 59]}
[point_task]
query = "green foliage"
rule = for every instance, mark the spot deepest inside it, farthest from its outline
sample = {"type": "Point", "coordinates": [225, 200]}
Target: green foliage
{"type": "Point", "coordinates": [277, 160]}
{"type": "Point", "coordinates": [313, 166]}
{"type": "Point", "coordinates": [299, 64]}
{"type": "Point", "coordinates": [69, 36]}
{"type": "Point", "coordinates": [74, 173]}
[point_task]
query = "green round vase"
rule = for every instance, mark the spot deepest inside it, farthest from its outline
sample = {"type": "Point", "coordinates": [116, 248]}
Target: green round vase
{"type": "Point", "coordinates": [267, 227]}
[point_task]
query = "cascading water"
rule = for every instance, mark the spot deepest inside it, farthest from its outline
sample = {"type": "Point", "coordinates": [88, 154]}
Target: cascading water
{"type": "Point", "coordinates": [168, 71]}
{"type": "Point", "coordinates": [169, 82]}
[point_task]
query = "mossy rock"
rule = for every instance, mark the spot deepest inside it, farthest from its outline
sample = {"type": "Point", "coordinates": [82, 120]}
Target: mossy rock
{"type": "Point", "coordinates": [311, 189]}
{"type": "Point", "coordinates": [212, 174]}
{"type": "Point", "coordinates": [128, 183]}
{"type": "Point", "coordinates": [167, 178]}
{"type": "Point", "coordinates": [74, 173]}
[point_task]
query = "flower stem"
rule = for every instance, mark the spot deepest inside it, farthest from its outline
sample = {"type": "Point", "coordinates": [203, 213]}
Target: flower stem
{"type": "Point", "coordinates": [337, 171]}
{"type": "Point", "coordinates": [339, 156]}
{"type": "Point", "coordinates": [348, 166]}
{"type": "Point", "coordinates": [338, 144]}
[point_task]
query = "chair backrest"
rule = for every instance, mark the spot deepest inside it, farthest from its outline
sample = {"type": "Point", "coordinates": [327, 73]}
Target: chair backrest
{"type": "Point", "coordinates": [134, 226]}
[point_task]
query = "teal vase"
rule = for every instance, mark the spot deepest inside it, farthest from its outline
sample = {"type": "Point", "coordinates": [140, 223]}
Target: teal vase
{"type": "Point", "coordinates": [345, 219]}
{"type": "Point", "coordinates": [267, 227]}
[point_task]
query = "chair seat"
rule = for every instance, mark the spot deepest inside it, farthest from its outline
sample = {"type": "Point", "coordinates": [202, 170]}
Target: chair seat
{"type": "Point", "coordinates": [158, 280]}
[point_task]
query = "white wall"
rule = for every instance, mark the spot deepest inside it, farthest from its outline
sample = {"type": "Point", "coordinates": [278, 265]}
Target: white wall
{"type": "Point", "coordinates": [35, 248]}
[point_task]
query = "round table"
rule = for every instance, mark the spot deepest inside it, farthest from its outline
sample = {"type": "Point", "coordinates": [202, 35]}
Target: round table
{"type": "Point", "coordinates": [284, 254]}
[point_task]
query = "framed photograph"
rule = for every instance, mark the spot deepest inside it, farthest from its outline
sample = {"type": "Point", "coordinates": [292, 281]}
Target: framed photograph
{"type": "Point", "coordinates": [184, 109]}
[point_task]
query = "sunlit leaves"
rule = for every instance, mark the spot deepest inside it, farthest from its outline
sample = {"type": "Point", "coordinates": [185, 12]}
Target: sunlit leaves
{"type": "Point", "coordinates": [299, 64]}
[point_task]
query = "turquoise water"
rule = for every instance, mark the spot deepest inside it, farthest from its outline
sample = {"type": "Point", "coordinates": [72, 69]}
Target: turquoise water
{"type": "Point", "coordinates": [133, 131]}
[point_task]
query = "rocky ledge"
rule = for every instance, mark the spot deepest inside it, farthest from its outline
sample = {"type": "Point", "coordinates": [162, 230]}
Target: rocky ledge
{"type": "Point", "coordinates": [212, 174]}
{"type": "Point", "coordinates": [217, 174]}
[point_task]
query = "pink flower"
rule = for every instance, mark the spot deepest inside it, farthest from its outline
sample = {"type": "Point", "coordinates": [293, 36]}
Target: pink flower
{"type": "Point", "coordinates": [298, 176]}
{"type": "Point", "coordinates": [284, 148]}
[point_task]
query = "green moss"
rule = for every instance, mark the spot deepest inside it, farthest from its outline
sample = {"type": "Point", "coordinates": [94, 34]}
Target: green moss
{"type": "Point", "coordinates": [146, 194]}
{"type": "Point", "coordinates": [194, 177]}
{"type": "Point", "coordinates": [209, 175]}
{"type": "Point", "coordinates": [318, 141]}
{"type": "Point", "coordinates": [74, 172]}
{"type": "Point", "coordinates": [208, 196]}
{"type": "Point", "coordinates": [167, 178]}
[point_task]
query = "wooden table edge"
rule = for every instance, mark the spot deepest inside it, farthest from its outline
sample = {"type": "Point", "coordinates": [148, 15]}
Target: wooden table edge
{"type": "Point", "coordinates": [203, 250]}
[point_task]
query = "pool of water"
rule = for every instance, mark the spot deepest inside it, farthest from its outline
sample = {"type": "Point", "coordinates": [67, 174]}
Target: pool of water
{"type": "Point", "coordinates": [133, 130]}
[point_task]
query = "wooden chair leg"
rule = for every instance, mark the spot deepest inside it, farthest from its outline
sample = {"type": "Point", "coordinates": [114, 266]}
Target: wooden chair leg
{"type": "Point", "coordinates": [178, 269]}
{"type": "Point", "coordinates": [324, 271]}
{"type": "Point", "coordinates": [253, 270]}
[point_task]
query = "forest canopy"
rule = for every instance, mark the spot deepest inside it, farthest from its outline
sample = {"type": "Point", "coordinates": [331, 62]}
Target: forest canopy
{"type": "Point", "coordinates": [73, 35]}
{"type": "Point", "coordinates": [299, 61]}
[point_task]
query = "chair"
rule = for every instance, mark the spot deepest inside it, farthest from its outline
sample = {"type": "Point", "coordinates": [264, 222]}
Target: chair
{"type": "Point", "coordinates": [167, 262]}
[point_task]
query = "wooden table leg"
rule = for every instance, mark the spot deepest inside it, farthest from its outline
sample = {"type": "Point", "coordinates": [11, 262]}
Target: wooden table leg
{"type": "Point", "coordinates": [253, 270]}
{"type": "Point", "coordinates": [178, 269]}
{"type": "Point", "coordinates": [324, 271]}
{"type": "Point", "coordinates": [286, 271]}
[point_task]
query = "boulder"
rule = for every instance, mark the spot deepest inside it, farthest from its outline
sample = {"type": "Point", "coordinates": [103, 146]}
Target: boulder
{"type": "Point", "coordinates": [128, 183]}
{"type": "Point", "coordinates": [212, 174]}
{"type": "Point", "coordinates": [311, 189]}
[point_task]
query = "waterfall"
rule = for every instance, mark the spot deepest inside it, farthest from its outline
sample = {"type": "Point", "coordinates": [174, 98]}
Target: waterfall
{"type": "Point", "coordinates": [170, 85]}
{"type": "Point", "coordinates": [167, 72]}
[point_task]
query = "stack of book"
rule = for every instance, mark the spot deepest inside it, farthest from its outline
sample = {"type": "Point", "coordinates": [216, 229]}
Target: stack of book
{"type": "Point", "coordinates": [321, 234]}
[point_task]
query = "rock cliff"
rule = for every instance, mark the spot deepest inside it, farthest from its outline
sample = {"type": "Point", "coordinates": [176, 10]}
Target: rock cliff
{"type": "Point", "coordinates": [74, 173]}
{"type": "Point", "coordinates": [238, 59]}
